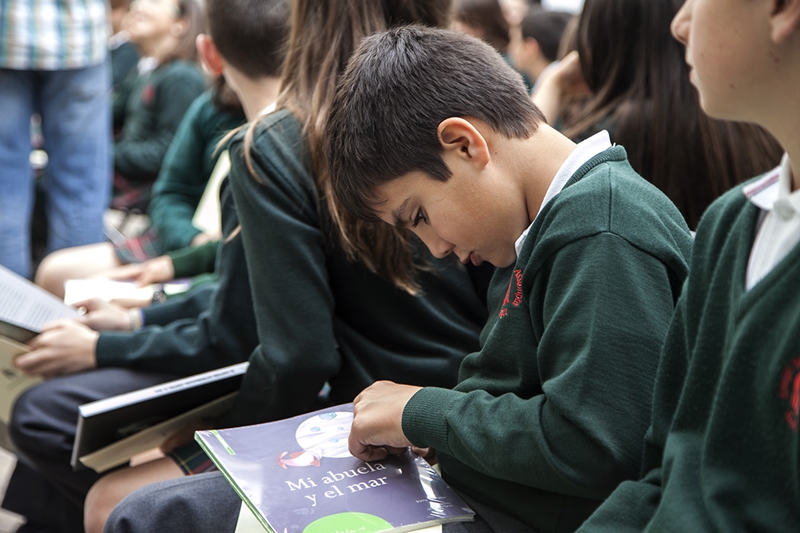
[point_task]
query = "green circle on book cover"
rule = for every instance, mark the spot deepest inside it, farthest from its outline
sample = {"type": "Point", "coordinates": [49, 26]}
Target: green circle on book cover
{"type": "Point", "coordinates": [348, 523]}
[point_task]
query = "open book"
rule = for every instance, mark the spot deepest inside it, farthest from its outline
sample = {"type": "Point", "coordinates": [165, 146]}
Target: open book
{"type": "Point", "coordinates": [298, 475]}
{"type": "Point", "coordinates": [24, 309]}
{"type": "Point", "coordinates": [78, 290]}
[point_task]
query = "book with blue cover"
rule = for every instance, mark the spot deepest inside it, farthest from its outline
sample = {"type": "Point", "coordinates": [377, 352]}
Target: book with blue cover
{"type": "Point", "coordinates": [297, 476]}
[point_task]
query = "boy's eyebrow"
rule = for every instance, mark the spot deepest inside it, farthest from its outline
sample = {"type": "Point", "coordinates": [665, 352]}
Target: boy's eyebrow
{"type": "Point", "coordinates": [397, 213]}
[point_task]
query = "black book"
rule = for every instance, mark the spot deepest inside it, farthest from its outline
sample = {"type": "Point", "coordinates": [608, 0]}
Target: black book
{"type": "Point", "coordinates": [107, 421]}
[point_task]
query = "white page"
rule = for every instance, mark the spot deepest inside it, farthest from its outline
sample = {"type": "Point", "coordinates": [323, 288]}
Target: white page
{"type": "Point", "coordinates": [24, 304]}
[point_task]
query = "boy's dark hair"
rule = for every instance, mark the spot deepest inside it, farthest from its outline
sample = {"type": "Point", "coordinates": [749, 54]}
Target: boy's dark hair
{"type": "Point", "coordinates": [398, 87]}
{"type": "Point", "coordinates": [250, 34]}
{"type": "Point", "coordinates": [547, 27]}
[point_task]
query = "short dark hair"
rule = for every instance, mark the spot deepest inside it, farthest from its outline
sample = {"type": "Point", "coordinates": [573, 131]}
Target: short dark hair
{"type": "Point", "coordinates": [250, 34]}
{"type": "Point", "coordinates": [398, 87]}
{"type": "Point", "coordinates": [547, 27]}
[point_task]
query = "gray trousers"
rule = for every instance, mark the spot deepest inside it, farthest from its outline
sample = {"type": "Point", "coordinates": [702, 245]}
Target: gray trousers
{"type": "Point", "coordinates": [206, 503]}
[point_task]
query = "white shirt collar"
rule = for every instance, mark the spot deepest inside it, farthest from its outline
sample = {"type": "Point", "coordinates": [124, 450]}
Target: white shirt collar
{"type": "Point", "coordinates": [582, 153]}
{"type": "Point", "coordinates": [774, 191]}
{"type": "Point", "coordinates": [267, 110]}
{"type": "Point", "coordinates": [147, 64]}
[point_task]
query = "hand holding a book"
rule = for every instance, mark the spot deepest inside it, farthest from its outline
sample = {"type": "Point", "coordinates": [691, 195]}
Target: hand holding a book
{"type": "Point", "coordinates": [377, 429]}
{"type": "Point", "coordinates": [104, 316]}
{"type": "Point", "coordinates": [63, 347]}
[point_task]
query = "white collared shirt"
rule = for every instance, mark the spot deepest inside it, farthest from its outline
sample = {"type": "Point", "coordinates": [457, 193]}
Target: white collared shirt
{"type": "Point", "coordinates": [779, 229]}
{"type": "Point", "coordinates": [582, 153]}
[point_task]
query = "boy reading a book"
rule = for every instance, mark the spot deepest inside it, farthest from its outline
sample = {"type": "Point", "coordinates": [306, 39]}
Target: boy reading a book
{"type": "Point", "coordinates": [722, 452]}
{"type": "Point", "coordinates": [430, 130]}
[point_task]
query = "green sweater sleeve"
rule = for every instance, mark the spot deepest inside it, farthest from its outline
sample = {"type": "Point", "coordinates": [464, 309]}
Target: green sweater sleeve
{"type": "Point", "coordinates": [141, 149]}
{"type": "Point", "coordinates": [194, 260]}
{"type": "Point", "coordinates": [582, 434]}
{"type": "Point", "coordinates": [189, 163]}
{"type": "Point", "coordinates": [631, 506]}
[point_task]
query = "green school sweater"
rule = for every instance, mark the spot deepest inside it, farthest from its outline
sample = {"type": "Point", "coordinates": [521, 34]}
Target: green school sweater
{"type": "Point", "coordinates": [322, 318]}
{"type": "Point", "coordinates": [153, 110]}
{"type": "Point", "coordinates": [550, 415]}
{"type": "Point", "coordinates": [203, 330]}
{"type": "Point", "coordinates": [188, 164]}
{"type": "Point", "coordinates": [723, 452]}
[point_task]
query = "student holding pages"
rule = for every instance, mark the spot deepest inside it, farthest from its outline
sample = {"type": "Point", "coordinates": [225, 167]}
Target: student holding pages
{"type": "Point", "coordinates": [322, 317]}
{"type": "Point", "coordinates": [550, 415]}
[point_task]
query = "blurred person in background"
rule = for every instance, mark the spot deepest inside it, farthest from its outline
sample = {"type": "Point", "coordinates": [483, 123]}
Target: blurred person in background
{"type": "Point", "coordinates": [54, 62]}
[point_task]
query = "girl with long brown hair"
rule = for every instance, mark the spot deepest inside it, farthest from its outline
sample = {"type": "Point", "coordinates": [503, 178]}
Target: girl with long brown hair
{"type": "Point", "coordinates": [640, 92]}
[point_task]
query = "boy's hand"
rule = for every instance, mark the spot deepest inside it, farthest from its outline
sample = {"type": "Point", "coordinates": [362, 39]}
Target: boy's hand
{"type": "Point", "coordinates": [104, 316]}
{"type": "Point", "coordinates": [378, 421]}
{"type": "Point", "coordinates": [63, 347]}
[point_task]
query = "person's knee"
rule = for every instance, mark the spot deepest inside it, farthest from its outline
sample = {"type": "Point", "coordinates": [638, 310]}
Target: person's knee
{"type": "Point", "coordinates": [52, 272]}
{"type": "Point", "coordinates": [100, 501]}
{"type": "Point", "coordinates": [78, 262]}
{"type": "Point", "coordinates": [25, 425]}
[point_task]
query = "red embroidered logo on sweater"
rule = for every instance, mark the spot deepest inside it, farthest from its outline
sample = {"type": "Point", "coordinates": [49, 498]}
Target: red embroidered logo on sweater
{"type": "Point", "coordinates": [789, 390]}
{"type": "Point", "coordinates": [148, 94]}
{"type": "Point", "coordinates": [516, 277]}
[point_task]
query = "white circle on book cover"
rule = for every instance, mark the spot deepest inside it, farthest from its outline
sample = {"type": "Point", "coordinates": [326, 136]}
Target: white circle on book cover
{"type": "Point", "coordinates": [325, 435]}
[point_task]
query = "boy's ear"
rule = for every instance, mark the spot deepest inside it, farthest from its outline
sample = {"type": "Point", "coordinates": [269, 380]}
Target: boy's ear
{"type": "Point", "coordinates": [784, 19]}
{"type": "Point", "coordinates": [209, 55]}
{"type": "Point", "coordinates": [461, 138]}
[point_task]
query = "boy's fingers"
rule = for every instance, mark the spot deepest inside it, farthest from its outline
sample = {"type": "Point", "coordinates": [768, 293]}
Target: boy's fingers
{"type": "Point", "coordinates": [371, 453]}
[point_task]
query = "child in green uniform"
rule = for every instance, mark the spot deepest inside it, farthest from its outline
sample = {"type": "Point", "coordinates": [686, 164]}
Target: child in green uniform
{"type": "Point", "coordinates": [722, 452]}
{"type": "Point", "coordinates": [430, 130]}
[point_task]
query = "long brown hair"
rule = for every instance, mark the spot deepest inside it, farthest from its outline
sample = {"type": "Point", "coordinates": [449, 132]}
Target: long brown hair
{"type": "Point", "coordinates": [641, 90]}
{"type": "Point", "coordinates": [323, 36]}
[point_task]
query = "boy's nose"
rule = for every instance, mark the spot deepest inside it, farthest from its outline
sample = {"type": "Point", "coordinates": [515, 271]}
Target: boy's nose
{"type": "Point", "coordinates": [438, 247]}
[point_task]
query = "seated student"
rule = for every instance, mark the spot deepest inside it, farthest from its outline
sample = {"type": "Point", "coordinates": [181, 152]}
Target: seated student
{"type": "Point", "coordinates": [211, 328]}
{"type": "Point", "coordinates": [640, 93]}
{"type": "Point", "coordinates": [534, 436]}
{"type": "Point", "coordinates": [322, 316]}
{"type": "Point", "coordinates": [550, 416]}
{"type": "Point", "coordinates": [533, 44]}
{"type": "Point", "coordinates": [157, 99]}
{"type": "Point", "coordinates": [189, 162]}
{"type": "Point", "coordinates": [722, 451]}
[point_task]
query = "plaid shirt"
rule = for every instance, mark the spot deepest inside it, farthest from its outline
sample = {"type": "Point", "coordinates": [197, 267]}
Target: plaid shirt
{"type": "Point", "coordinates": [52, 34]}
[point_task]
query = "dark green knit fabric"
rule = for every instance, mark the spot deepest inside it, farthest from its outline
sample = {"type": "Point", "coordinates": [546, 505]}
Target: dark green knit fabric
{"type": "Point", "coordinates": [550, 416]}
{"type": "Point", "coordinates": [222, 332]}
{"type": "Point", "coordinates": [191, 261]}
{"type": "Point", "coordinates": [188, 164]}
{"type": "Point", "coordinates": [153, 110]}
{"type": "Point", "coordinates": [723, 451]}
{"type": "Point", "coordinates": [322, 318]}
